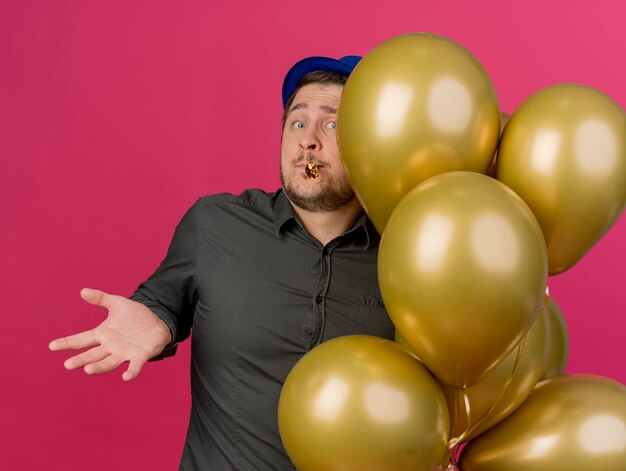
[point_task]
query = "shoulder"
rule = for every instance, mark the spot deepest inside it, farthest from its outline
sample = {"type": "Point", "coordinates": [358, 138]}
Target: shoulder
{"type": "Point", "coordinates": [247, 202]}
{"type": "Point", "coordinates": [253, 198]}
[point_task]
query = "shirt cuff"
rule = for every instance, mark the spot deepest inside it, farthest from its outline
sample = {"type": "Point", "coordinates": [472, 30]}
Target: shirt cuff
{"type": "Point", "coordinates": [171, 347]}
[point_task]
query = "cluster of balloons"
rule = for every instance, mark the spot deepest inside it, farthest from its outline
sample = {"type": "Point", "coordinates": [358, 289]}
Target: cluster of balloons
{"type": "Point", "coordinates": [474, 217]}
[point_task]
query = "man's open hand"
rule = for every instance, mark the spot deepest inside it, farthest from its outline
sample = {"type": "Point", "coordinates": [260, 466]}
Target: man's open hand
{"type": "Point", "coordinates": [131, 332]}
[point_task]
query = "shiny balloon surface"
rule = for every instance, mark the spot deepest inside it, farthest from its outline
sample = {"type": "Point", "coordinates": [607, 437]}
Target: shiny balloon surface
{"type": "Point", "coordinates": [493, 167]}
{"type": "Point", "coordinates": [462, 269]}
{"type": "Point", "coordinates": [502, 390]}
{"type": "Point", "coordinates": [573, 423]}
{"type": "Point", "coordinates": [362, 403]}
{"type": "Point", "coordinates": [557, 346]}
{"type": "Point", "coordinates": [564, 152]}
{"type": "Point", "coordinates": [416, 106]}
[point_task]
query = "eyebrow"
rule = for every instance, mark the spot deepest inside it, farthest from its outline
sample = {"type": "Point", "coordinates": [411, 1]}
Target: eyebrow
{"type": "Point", "coordinates": [327, 109]}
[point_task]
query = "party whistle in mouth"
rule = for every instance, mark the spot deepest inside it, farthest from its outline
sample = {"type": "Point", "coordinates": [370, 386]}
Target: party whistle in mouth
{"type": "Point", "coordinates": [311, 170]}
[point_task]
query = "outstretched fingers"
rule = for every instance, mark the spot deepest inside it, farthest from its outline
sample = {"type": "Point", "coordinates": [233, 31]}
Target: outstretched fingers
{"type": "Point", "coordinates": [133, 370]}
{"type": "Point", "coordinates": [90, 356]}
{"type": "Point", "coordinates": [74, 342]}
{"type": "Point", "coordinates": [111, 362]}
{"type": "Point", "coordinates": [97, 297]}
{"type": "Point", "coordinates": [105, 365]}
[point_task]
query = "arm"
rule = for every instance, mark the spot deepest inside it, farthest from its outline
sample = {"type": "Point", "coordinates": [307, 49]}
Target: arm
{"type": "Point", "coordinates": [158, 315]}
{"type": "Point", "coordinates": [130, 333]}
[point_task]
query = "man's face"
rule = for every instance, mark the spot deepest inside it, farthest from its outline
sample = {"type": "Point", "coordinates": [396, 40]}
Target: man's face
{"type": "Point", "coordinates": [309, 136]}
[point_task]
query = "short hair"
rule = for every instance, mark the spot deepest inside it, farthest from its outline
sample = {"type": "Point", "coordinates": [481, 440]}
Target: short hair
{"type": "Point", "coordinates": [317, 76]}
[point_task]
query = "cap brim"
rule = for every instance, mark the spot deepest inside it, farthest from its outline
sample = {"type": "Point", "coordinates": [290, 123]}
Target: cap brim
{"type": "Point", "coordinates": [311, 64]}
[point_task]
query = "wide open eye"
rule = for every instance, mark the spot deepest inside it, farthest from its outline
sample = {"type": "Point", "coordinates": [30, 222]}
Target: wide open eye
{"type": "Point", "coordinates": [331, 125]}
{"type": "Point", "coordinates": [298, 125]}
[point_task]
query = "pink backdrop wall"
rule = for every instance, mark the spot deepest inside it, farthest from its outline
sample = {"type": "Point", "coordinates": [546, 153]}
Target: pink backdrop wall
{"type": "Point", "coordinates": [115, 116]}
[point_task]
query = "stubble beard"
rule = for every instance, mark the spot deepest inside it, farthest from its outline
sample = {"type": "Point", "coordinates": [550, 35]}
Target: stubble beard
{"type": "Point", "coordinates": [330, 195]}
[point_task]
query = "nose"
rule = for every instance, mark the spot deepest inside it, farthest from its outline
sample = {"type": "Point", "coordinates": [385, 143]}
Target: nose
{"type": "Point", "coordinates": [309, 140]}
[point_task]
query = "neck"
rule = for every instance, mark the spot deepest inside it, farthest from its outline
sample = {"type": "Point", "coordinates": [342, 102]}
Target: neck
{"type": "Point", "coordinates": [328, 225]}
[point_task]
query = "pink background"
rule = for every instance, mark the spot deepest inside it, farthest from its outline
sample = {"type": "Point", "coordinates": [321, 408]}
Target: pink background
{"type": "Point", "coordinates": [116, 116]}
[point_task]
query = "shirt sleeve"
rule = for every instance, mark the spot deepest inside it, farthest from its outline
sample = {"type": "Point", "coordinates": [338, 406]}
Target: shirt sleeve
{"type": "Point", "coordinates": [171, 292]}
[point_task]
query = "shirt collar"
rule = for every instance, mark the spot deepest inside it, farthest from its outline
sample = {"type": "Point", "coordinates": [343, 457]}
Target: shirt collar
{"type": "Point", "coordinates": [284, 212]}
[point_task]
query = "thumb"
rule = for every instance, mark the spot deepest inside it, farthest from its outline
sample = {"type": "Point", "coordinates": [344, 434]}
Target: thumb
{"type": "Point", "coordinates": [96, 297]}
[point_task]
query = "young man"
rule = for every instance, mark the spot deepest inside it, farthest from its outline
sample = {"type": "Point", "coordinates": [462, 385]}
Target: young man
{"type": "Point", "coordinates": [262, 278]}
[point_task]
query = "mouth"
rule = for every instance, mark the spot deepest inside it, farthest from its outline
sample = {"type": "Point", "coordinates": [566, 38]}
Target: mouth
{"type": "Point", "coordinates": [311, 170]}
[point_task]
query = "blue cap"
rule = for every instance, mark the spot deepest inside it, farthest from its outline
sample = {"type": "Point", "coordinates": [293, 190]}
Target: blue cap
{"type": "Point", "coordinates": [311, 64]}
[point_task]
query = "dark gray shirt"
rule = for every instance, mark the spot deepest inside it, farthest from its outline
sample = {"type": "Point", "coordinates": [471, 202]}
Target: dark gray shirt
{"type": "Point", "coordinates": [259, 292]}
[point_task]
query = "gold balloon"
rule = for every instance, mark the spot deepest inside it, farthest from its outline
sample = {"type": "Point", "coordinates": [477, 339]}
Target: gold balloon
{"type": "Point", "coordinates": [502, 391]}
{"type": "Point", "coordinates": [402, 342]}
{"type": "Point", "coordinates": [416, 106]}
{"type": "Point", "coordinates": [362, 403]}
{"type": "Point", "coordinates": [462, 268]}
{"type": "Point", "coordinates": [493, 167]}
{"type": "Point", "coordinates": [564, 152]}
{"type": "Point", "coordinates": [557, 346]}
{"type": "Point", "coordinates": [574, 423]}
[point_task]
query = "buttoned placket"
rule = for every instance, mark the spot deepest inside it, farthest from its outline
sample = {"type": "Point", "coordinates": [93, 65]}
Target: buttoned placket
{"type": "Point", "coordinates": [319, 293]}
